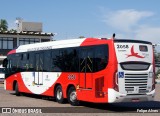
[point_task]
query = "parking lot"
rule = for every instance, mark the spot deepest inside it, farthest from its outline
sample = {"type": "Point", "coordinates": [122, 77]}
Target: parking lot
{"type": "Point", "coordinates": [48, 105]}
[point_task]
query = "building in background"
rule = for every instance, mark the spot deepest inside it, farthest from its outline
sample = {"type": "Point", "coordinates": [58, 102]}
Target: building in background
{"type": "Point", "coordinates": [27, 33]}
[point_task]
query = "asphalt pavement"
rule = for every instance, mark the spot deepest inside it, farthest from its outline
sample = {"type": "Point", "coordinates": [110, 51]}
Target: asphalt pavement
{"type": "Point", "coordinates": [48, 105]}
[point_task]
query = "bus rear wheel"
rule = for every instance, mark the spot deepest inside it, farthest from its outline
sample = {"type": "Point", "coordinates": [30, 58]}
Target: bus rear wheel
{"type": "Point", "coordinates": [72, 96]}
{"type": "Point", "coordinates": [17, 90]}
{"type": "Point", "coordinates": [59, 94]}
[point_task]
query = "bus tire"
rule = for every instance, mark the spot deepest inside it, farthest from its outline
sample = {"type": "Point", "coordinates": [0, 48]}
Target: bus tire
{"type": "Point", "coordinates": [59, 94]}
{"type": "Point", "coordinates": [72, 96]}
{"type": "Point", "coordinates": [17, 90]}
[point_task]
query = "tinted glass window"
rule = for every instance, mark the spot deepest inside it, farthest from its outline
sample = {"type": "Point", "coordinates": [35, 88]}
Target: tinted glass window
{"type": "Point", "coordinates": [47, 61]}
{"type": "Point", "coordinates": [56, 61]}
{"type": "Point", "coordinates": [80, 59]}
{"type": "Point", "coordinates": [93, 58]}
{"type": "Point", "coordinates": [135, 65]}
{"type": "Point", "coordinates": [39, 61]}
{"type": "Point", "coordinates": [13, 64]}
{"type": "Point", "coordinates": [143, 48]}
{"type": "Point", "coordinates": [24, 62]}
{"type": "Point", "coordinates": [32, 61]}
{"type": "Point", "coordinates": [86, 58]}
{"type": "Point", "coordinates": [65, 60]}
{"type": "Point", "coordinates": [70, 60]}
{"type": "Point", "coordinates": [101, 57]}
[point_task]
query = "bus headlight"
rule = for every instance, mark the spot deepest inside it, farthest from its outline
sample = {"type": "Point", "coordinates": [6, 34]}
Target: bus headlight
{"type": "Point", "coordinates": [151, 74]}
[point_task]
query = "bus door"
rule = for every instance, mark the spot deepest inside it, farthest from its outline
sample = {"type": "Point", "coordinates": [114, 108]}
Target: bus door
{"type": "Point", "coordinates": [38, 79]}
{"type": "Point", "coordinates": [86, 68]}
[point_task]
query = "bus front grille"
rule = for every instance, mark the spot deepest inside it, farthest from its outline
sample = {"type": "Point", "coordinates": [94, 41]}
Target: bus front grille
{"type": "Point", "coordinates": [136, 80]}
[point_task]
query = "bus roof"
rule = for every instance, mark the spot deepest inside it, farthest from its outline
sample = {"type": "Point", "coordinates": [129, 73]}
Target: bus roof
{"type": "Point", "coordinates": [69, 43]}
{"type": "Point", "coordinates": [57, 44]}
{"type": "Point", "coordinates": [132, 41]}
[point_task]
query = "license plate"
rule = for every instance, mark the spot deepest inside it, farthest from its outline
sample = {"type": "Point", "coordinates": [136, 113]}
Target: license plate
{"type": "Point", "coordinates": [130, 92]}
{"type": "Point", "coordinates": [136, 89]}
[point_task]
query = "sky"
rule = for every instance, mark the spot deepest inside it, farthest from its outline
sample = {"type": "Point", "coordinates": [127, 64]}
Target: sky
{"type": "Point", "coordinates": [129, 19]}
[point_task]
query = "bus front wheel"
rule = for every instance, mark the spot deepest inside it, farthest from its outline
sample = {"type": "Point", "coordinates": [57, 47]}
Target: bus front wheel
{"type": "Point", "coordinates": [72, 96]}
{"type": "Point", "coordinates": [17, 90]}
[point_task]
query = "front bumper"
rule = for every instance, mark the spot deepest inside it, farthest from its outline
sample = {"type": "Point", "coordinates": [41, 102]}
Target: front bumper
{"type": "Point", "coordinates": [114, 96]}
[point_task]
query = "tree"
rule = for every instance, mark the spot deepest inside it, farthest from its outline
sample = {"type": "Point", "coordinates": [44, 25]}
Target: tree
{"type": "Point", "coordinates": [12, 31]}
{"type": "Point", "coordinates": [158, 73]}
{"type": "Point", "coordinates": [3, 25]}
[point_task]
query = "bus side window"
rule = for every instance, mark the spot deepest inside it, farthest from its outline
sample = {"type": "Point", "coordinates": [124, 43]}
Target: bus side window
{"type": "Point", "coordinates": [47, 61]}
{"type": "Point", "coordinates": [5, 62]}
{"type": "Point", "coordinates": [69, 60]}
{"type": "Point", "coordinates": [56, 61]}
{"type": "Point", "coordinates": [74, 63]}
{"type": "Point", "coordinates": [101, 57]}
{"type": "Point", "coordinates": [32, 61]}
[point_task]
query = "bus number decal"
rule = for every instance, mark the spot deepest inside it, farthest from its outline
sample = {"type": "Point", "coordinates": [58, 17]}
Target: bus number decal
{"type": "Point", "coordinates": [122, 46]}
{"type": "Point", "coordinates": [71, 77]}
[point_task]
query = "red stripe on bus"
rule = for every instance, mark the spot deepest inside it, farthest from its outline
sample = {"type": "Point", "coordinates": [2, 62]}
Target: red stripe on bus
{"type": "Point", "coordinates": [11, 52]}
{"type": "Point", "coordinates": [92, 41]}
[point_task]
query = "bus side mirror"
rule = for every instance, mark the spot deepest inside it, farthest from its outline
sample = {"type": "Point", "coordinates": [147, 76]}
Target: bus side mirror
{"type": "Point", "coordinates": [5, 62]}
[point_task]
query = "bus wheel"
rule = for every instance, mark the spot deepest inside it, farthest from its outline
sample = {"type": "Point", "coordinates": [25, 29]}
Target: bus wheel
{"type": "Point", "coordinates": [72, 96]}
{"type": "Point", "coordinates": [59, 94]}
{"type": "Point", "coordinates": [17, 90]}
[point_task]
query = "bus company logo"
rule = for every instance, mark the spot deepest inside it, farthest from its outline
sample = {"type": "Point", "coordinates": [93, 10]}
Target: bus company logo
{"type": "Point", "coordinates": [134, 54]}
{"type": "Point", "coordinates": [71, 77]}
{"type": "Point", "coordinates": [40, 48]}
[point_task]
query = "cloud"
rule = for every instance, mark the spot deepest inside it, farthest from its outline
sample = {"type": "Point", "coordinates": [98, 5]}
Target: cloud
{"type": "Point", "coordinates": [125, 20]}
{"type": "Point", "coordinates": [148, 33]}
{"type": "Point", "coordinates": [131, 24]}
